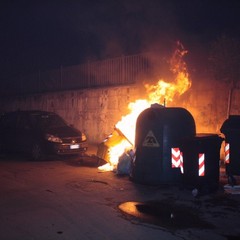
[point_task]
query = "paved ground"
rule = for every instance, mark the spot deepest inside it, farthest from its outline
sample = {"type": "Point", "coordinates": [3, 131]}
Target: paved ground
{"type": "Point", "coordinates": [71, 199]}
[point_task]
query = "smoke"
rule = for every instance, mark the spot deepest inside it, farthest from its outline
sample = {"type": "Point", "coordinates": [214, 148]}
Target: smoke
{"type": "Point", "coordinates": [48, 34]}
{"type": "Point", "coordinates": [129, 27]}
{"type": "Point", "coordinates": [39, 34]}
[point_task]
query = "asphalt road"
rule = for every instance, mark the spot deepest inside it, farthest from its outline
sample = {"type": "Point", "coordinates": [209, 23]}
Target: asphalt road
{"type": "Point", "coordinates": [70, 199]}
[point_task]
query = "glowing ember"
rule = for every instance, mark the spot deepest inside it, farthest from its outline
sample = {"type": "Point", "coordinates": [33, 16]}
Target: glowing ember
{"type": "Point", "coordinates": [161, 92]}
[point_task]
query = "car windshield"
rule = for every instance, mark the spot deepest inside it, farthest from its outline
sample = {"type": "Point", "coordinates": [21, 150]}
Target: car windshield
{"type": "Point", "coordinates": [45, 121]}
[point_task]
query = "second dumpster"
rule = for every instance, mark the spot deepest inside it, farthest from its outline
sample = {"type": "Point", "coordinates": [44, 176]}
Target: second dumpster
{"type": "Point", "coordinates": [201, 162]}
{"type": "Point", "coordinates": [231, 130]}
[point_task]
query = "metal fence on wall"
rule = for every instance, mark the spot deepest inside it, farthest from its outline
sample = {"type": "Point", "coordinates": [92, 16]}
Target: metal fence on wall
{"type": "Point", "coordinates": [110, 72]}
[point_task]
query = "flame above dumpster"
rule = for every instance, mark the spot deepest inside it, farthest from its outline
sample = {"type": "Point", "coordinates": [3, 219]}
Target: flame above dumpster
{"type": "Point", "coordinates": [161, 93]}
{"type": "Point", "coordinates": [164, 91]}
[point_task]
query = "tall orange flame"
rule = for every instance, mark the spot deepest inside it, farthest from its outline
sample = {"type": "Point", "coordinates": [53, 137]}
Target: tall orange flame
{"type": "Point", "coordinates": [181, 83]}
{"type": "Point", "coordinates": [159, 93]}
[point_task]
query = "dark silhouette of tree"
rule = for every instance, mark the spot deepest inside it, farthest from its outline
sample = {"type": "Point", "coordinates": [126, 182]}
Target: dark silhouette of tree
{"type": "Point", "coordinates": [225, 60]}
{"type": "Point", "coordinates": [225, 63]}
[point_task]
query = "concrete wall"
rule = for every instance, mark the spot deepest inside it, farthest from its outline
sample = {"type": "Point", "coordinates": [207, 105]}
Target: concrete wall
{"type": "Point", "coordinates": [96, 111]}
{"type": "Point", "coordinates": [93, 111]}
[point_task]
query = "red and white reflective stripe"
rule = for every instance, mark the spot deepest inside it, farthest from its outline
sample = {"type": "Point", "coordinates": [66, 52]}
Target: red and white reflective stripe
{"type": "Point", "coordinates": [201, 164]}
{"type": "Point", "coordinates": [227, 152]}
{"type": "Point", "coordinates": [176, 157]}
{"type": "Point", "coordinates": [181, 162]}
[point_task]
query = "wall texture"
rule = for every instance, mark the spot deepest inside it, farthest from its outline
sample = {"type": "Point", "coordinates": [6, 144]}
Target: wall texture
{"type": "Point", "coordinates": [96, 111]}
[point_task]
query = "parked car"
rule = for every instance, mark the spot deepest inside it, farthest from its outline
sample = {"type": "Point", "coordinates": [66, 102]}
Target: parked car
{"type": "Point", "coordinates": [39, 133]}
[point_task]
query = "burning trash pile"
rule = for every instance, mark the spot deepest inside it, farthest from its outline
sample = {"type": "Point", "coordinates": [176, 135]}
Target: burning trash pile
{"type": "Point", "coordinates": [118, 148]}
{"type": "Point", "coordinates": [155, 144]}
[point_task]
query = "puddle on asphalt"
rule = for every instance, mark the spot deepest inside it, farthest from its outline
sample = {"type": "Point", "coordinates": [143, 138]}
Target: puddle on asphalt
{"type": "Point", "coordinates": [164, 214]}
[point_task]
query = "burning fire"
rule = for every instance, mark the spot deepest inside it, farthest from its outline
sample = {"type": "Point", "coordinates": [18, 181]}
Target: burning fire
{"type": "Point", "coordinates": [161, 92]}
{"type": "Point", "coordinates": [166, 91]}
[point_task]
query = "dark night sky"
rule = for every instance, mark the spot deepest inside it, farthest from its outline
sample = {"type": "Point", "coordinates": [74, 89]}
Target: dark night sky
{"type": "Point", "coordinates": [46, 34]}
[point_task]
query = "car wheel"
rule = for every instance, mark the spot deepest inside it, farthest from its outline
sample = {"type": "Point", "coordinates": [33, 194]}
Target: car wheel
{"type": "Point", "coordinates": [37, 152]}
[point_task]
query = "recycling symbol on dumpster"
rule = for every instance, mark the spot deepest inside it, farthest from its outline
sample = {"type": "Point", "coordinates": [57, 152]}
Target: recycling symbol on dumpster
{"type": "Point", "coordinates": [150, 140]}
